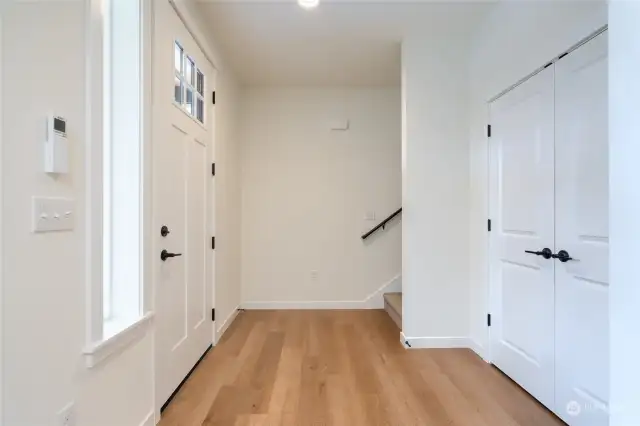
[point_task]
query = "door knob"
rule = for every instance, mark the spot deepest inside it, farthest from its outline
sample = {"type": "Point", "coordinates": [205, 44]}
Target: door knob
{"type": "Point", "coordinates": [164, 231]}
{"type": "Point", "coordinates": [562, 256]}
{"type": "Point", "coordinates": [545, 252]}
{"type": "Point", "coordinates": [164, 255]}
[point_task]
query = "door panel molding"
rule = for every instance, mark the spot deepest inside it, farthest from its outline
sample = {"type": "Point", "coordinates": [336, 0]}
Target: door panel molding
{"type": "Point", "coordinates": [521, 205]}
{"type": "Point", "coordinates": [580, 216]}
{"type": "Point", "coordinates": [582, 229]}
{"type": "Point", "coordinates": [182, 154]}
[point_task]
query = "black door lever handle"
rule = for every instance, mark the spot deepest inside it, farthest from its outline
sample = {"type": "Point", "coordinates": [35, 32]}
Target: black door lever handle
{"type": "Point", "coordinates": [562, 256]}
{"type": "Point", "coordinates": [164, 255]}
{"type": "Point", "coordinates": [545, 252]}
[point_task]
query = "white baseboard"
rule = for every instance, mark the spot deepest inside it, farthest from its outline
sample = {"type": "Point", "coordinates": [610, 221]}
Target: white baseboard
{"type": "Point", "coordinates": [302, 305]}
{"type": "Point", "coordinates": [435, 342]}
{"type": "Point", "coordinates": [373, 301]}
{"type": "Point", "coordinates": [227, 322]}
{"type": "Point", "coordinates": [149, 420]}
{"type": "Point", "coordinates": [476, 347]}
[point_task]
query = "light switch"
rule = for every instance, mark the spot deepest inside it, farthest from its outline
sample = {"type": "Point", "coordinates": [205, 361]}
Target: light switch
{"type": "Point", "coordinates": [52, 214]}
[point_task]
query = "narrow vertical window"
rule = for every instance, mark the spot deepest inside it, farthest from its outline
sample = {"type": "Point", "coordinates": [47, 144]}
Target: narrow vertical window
{"type": "Point", "coordinates": [122, 166]}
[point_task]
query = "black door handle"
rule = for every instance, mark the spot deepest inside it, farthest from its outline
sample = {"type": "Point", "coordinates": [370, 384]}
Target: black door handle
{"type": "Point", "coordinates": [164, 255]}
{"type": "Point", "coordinates": [562, 256]}
{"type": "Point", "coordinates": [545, 252]}
{"type": "Point", "coordinates": [164, 231]}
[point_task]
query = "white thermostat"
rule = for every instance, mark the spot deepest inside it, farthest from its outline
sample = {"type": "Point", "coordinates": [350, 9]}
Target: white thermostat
{"type": "Point", "coordinates": [56, 147]}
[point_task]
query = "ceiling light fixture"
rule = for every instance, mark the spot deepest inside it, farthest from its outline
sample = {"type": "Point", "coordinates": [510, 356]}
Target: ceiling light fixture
{"type": "Point", "coordinates": [308, 4]}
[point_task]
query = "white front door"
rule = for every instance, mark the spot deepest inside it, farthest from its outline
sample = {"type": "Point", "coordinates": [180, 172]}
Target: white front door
{"type": "Point", "coordinates": [582, 231]}
{"type": "Point", "coordinates": [182, 154]}
{"type": "Point", "coordinates": [522, 179]}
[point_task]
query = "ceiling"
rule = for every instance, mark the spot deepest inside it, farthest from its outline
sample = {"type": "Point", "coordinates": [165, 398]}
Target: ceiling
{"type": "Point", "coordinates": [355, 43]}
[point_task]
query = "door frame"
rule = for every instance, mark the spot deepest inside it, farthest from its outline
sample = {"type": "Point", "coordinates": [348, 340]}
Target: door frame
{"type": "Point", "coordinates": [1, 233]}
{"type": "Point", "coordinates": [490, 303]}
{"type": "Point", "coordinates": [185, 16]}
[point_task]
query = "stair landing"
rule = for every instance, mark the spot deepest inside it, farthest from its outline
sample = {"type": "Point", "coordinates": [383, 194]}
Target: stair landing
{"type": "Point", "coordinates": [393, 306]}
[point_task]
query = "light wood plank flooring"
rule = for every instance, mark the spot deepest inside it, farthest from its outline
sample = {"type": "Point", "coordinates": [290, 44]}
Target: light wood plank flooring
{"type": "Point", "coordinates": [347, 368]}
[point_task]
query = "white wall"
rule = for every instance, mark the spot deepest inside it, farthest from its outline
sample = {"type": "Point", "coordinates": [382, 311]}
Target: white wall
{"type": "Point", "coordinates": [624, 152]}
{"type": "Point", "coordinates": [227, 200]}
{"type": "Point", "coordinates": [306, 191]}
{"type": "Point", "coordinates": [435, 190]}
{"type": "Point", "coordinates": [44, 275]}
{"type": "Point", "coordinates": [517, 38]}
{"type": "Point", "coordinates": [44, 287]}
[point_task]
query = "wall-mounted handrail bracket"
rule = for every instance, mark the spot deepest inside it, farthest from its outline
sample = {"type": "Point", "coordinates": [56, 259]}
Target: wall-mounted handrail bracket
{"type": "Point", "coordinates": [382, 224]}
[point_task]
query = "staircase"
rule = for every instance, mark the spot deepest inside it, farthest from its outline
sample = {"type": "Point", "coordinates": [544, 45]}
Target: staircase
{"type": "Point", "coordinates": [393, 306]}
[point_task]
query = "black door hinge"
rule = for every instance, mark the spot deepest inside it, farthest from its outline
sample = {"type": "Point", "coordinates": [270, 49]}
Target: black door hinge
{"type": "Point", "coordinates": [213, 314]}
{"type": "Point", "coordinates": [213, 98]}
{"type": "Point", "coordinates": [213, 243]}
{"type": "Point", "coordinates": [488, 320]}
{"type": "Point", "coordinates": [488, 130]}
{"type": "Point", "coordinates": [489, 225]}
{"type": "Point", "coordinates": [213, 169]}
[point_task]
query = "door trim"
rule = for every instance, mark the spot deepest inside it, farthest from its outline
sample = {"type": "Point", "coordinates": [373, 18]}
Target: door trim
{"type": "Point", "coordinates": [1, 235]}
{"type": "Point", "coordinates": [552, 61]}
{"type": "Point", "coordinates": [189, 22]}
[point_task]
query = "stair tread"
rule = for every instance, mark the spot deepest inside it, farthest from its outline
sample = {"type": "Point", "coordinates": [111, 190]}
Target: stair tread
{"type": "Point", "coordinates": [395, 301]}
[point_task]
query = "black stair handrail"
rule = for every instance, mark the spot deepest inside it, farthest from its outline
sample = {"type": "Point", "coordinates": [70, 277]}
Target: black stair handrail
{"type": "Point", "coordinates": [382, 224]}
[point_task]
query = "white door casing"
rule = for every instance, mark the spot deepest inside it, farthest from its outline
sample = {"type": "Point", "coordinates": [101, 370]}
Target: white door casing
{"type": "Point", "coordinates": [182, 152]}
{"type": "Point", "coordinates": [582, 230]}
{"type": "Point", "coordinates": [1, 231]}
{"type": "Point", "coordinates": [521, 192]}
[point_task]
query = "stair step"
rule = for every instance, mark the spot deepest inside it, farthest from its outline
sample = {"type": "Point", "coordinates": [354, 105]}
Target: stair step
{"type": "Point", "coordinates": [393, 306]}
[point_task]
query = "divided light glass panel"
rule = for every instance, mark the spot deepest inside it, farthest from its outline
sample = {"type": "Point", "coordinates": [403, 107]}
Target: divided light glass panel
{"type": "Point", "coordinates": [189, 84]}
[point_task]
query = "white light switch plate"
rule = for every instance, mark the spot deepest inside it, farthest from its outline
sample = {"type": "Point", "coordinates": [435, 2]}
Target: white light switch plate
{"type": "Point", "coordinates": [52, 214]}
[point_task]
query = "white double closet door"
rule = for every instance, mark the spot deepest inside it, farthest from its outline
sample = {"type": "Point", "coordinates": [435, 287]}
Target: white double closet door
{"type": "Point", "coordinates": [549, 190]}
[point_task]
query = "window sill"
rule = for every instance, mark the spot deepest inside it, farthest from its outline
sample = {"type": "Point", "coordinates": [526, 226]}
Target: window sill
{"type": "Point", "coordinates": [98, 352]}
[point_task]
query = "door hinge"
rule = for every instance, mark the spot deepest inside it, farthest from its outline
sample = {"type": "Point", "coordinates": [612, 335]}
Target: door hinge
{"type": "Point", "coordinates": [213, 97]}
{"type": "Point", "coordinates": [213, 169]}
{"type": "Point", "coordinates": [213, 243]}
{"type": "Point", "coordinates": [213, 314]}
{"type": "Point", "coordinates": [488, 320]}
{"type": "Point", "coordinates": [488, 130]}
{"type": "Point", "coordinates": [489, 225]}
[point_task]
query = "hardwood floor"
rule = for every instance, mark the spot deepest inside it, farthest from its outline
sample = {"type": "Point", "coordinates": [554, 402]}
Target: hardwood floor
{"type": "Point", "coordinates": [299, 368]}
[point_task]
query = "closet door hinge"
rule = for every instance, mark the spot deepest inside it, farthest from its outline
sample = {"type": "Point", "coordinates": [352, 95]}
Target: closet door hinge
{"type": "Point", "coordinates": [488, 130]}
{"type": "Point", "coordinates": [213, 98]}
{"type": "Point", "coordinates": [489, 225]}
{"type": "Point", "coordinates": [213, 169]}
{"type": "Point", "coordinates": [213, 314]}
{"type": "Point", "coordinates": [488, 320]}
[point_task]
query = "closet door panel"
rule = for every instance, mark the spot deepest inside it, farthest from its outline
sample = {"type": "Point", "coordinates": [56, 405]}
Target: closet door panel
{"type": "Point", "coordinates": [522, 168]}
{"type": "Point", "coordinates": [582, 222]}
